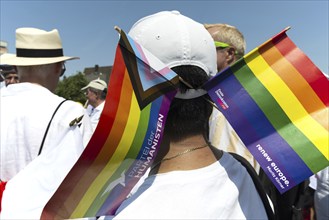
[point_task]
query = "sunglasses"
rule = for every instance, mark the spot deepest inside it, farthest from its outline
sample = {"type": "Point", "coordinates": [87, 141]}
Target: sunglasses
{"type": "Point", "coordinates": [221, 44]}
{"type": "Point", "coordinates": [63, 69]}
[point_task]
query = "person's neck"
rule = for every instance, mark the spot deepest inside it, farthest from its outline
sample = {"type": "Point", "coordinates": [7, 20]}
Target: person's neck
{"type": "Point", "coordinates": [191, 153]}
{"type": "Point", "coordinates": [46, 84]}
{"type": "Point", "coordinates": [97, 103]}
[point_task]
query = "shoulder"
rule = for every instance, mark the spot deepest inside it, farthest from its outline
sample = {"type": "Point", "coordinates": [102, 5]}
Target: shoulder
{"type": "Point", "coordinates": [70, 109]}
{"type": "Point", "coordinates": [100, 106]}
{"type": "Point", "coordinates": [236, 169]}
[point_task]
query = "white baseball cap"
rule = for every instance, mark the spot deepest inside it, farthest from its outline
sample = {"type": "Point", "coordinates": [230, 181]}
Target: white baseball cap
{"type": "Point", "coordinates": [176, 40]}
{"type": "Point", "coordinates": [96, 84]}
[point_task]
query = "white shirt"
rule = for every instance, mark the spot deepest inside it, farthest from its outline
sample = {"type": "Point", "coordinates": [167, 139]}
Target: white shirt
{"type": "Point", "coordinates": [27, 193]}
{"type": "Point", "coordinates": [95, 114]}
{"type": "Point", "coordinates": [26, 110]}
{"type": "Point", "coordinates": [321, 195]}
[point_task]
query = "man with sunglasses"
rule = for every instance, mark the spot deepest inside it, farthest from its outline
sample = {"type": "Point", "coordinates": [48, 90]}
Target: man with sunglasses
{"type": "Point", "coordinates": [229, 42]}
{"type": "Point", "coordinates": [230, 46]}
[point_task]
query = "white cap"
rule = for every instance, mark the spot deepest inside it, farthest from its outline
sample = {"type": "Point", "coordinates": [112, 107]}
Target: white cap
{"type": "Point", "coordinates": [96, 84]}
{"type": "Point", "coordinates": [176, 40]}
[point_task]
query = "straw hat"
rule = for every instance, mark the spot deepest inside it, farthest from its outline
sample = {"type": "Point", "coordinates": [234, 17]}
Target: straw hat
{"type": "Point", "coordinates": [36, 47]}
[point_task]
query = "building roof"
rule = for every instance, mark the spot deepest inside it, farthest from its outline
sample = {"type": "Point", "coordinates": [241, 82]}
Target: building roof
{"type": "Point", "coordinates": [102, 72]}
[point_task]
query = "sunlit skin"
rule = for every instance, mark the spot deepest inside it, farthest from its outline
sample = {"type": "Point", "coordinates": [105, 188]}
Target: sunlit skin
{"type": "Point", "coordinates": [93, 98]}
{"type": "Point", "coordinates": [225, 56]}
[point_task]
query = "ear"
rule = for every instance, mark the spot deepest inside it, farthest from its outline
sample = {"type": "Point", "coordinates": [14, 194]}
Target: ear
{"type": "Point", "coordinates": [230, 56]}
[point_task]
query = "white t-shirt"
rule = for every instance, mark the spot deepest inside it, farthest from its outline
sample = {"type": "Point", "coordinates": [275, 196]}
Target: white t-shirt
{"type": "Point", "coordinates": [223, 190]}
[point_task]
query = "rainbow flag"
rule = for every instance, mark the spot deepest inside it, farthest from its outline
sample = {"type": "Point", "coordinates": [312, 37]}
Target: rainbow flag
{"type": "Point", "coordinates": [277, 100]}
{"type": "Point", "coordinates": [126, 139]}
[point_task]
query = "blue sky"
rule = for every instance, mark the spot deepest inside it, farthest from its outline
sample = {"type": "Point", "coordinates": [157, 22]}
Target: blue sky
{"type": "Point", "coordinates": [86, 27]}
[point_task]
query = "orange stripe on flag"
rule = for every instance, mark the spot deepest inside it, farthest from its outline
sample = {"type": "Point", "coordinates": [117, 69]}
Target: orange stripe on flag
{"type": "Point", "coordinates": [296, 83]}
{"type": "Point", "coordinates": [108, 148]}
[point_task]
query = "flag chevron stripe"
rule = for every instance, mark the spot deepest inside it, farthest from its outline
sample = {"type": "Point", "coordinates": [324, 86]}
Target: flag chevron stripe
{"type": "Point", "coordinates": [138, 68]}
{"type": "Point", "coordinates": [150, 94]}
{"type": "Point", "coordinates": [143, 55]}
{"type": "Point", "coordinates": [279, 120]}
{"type": "Point", "coordinates": [255, 116]}
{"type": "Point", "coordinates": [112, 163]}
{"type": "Point", "coordinates": [296, 83]}
{"type": "Point", "coordinates": [148, 79]}
{"type": "Point", "coordinates": [289, 103]}
{"type": "Point", "coordinates": [305, 66]}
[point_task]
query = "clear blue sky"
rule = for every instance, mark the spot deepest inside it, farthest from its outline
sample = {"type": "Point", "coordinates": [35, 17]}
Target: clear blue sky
{"type": "Point", "coordinates": [86, 27]}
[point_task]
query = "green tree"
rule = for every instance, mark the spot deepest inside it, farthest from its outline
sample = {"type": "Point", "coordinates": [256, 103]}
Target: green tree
{"type": "Point", "coordinates": [70, 88]}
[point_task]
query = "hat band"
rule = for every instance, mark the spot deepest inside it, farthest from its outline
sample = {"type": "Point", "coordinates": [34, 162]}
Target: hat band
{"type": "Point", "coordinates": [39, 52]}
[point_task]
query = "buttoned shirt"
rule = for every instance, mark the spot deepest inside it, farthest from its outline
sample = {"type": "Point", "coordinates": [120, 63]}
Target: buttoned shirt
{"type": "Point", "coordinates": [95, 114]}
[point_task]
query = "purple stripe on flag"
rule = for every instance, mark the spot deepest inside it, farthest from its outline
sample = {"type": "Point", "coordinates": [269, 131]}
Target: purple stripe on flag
{"type": "Point", "coordinates": [159, 109]}
{"type": "Point", "coordinates": [251, 124]}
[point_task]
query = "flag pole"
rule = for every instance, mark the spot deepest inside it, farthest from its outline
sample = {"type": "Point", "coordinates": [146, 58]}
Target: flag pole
{"type": "Point", "coordinates": [117, 29]}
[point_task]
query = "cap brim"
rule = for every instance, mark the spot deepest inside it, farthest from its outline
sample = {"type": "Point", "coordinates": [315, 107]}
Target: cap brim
{"type": "Point", "coordinates": [12, 59]}
{"type": "Point", "coordinates": [84, 88]}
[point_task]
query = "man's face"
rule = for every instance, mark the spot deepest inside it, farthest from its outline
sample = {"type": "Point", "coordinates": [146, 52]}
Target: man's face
{"type": "Point", "coordinates": [221, 59]}
{"type": "Point", "coordinates": [221, 55]}
{"type": "Point", "coordinates": [91, 96]}
{"type": "Point", "coordinates": [11, 78]}
{"type": "Point", "coordinates": [224, 59]}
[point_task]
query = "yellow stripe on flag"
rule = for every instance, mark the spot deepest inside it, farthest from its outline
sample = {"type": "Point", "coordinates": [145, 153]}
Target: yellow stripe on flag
{"type": "Point", "coordinates": [103, 154]}
{"type": "Point", "coordinates": [295, 81]}
{"type": "Point", "coordinates": [113, 163]}
{"type": "Point", "coordinates": [317, 134]}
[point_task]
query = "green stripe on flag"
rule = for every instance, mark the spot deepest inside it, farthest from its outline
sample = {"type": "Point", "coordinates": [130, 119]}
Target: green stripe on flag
{"type": "Point", "coordinates": [276, 116]}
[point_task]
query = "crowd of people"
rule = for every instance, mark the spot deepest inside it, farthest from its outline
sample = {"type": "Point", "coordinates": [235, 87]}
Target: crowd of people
{"type": "Point", "coordinates": [198, 173]}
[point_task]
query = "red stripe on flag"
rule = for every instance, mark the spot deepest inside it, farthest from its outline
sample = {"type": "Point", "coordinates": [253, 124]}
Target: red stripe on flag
{"type": "Point", "coordinates": [93, 148]}
{"type": "Point", "coordinates": [296, 82]}
{"type": "Point", "coordinates": [305, 67]}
